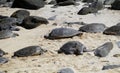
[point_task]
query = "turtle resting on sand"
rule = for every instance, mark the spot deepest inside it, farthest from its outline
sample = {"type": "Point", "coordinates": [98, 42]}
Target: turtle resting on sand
{"type": "Point", "coordinates": [73, 47]}
{"type": "Point", "coordinates": [29, 51]}
{"type": "Point", "coordinates": [114, 30]}
{"type": "Point", "coordinates": [93, 28]}
{"type": "Point", "coordinates": [104, 50]}
{"type": "Point", "coordinates": [59, 33]}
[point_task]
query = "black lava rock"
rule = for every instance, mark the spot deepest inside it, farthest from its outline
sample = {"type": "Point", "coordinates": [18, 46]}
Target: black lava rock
{"type": "Point", "coordinates": [28, 4]}
{"type": "Point", "coordinates": [33, 22]}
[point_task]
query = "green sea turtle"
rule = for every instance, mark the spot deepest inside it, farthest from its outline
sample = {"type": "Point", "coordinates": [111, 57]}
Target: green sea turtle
{"type": "Point", "coordinates": [73, 47]}
{"type": "Point", "coordinates": [29, 51]}
{"type": "Point", "coordinates": [59, 33]}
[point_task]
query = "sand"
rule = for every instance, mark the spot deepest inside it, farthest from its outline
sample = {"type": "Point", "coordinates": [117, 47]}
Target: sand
{"type": "Point", "coordinates": [51, 62]}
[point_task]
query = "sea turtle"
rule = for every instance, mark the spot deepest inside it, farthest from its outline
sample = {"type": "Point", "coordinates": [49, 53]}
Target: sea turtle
{"type": "Point", "coordinates": [103, 50]}
{"type": "Point", "coordinates": [73, 47]}
{"type": "Point", "coordinates": [8, 24]}
{"type": "Point", "coordinates": [3, 60]}
{"type": "Point", "coordinates": [93, 28]}
{"type": "Point", "coordinates": [7, 34]}
{"type": "Point", "coordinates": [20, 15]}
{"type": "Point", "coordinates": [113, 30]}
{"type": "Point", "coordinates": [29, 51]}
{"type": "Point", "coordinates": [87, 10]}
{"type": "Point", "coordinates": [59, 33]}
{"type": "Point", "coordinates": [31, 22]}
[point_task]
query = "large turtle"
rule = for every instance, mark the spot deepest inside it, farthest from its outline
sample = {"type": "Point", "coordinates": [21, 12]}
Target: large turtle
{"type": "Point", "coordinates": [59, 33]}
{"type": "Point", "coordinates": [113, 30]}
{"type": "Point", "coordinates": [104, 50]}
{"type": "Point", "coordinates": [73, 47]}
{"type": "Point", "coordinates": [93, 28]}
{"type": "Point", "coordinates": [29, 51]}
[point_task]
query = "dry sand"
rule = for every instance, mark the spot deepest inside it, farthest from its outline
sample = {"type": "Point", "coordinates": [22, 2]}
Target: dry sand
{"type": "Point", "coordinates": [51, 62]}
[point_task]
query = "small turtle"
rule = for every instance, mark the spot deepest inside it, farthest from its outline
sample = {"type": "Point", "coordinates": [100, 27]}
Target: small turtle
{"type": "Point", "coordinates": [114, 30]}
{"type": "Point", "coordinates": [7, 34]}
{"type": "Point", "coordinates": [66, 70]}
{"type": "Point", "coordinates": [73, 47]}
{"type": "Point", "coordinates": [29, 51]}
{"type": "Point", "coordinates": [3, 60]}
{"type": "Point", "coordinates": [87, 10]}
{"type": "Point", "coordinates": [110, 67]}
{"type": "Point", "coordinates": [103, 50]}
{"type": "Point", "coordinates": [20, 15]}
{"type": "Point", "coordinates": [93, 28]}
{"type": "Point", "coordinates": [59, 33]}
{"type": "Point", "coordinates": [2, 53]}
{"type": "Point", "coordinates": [31, 22]}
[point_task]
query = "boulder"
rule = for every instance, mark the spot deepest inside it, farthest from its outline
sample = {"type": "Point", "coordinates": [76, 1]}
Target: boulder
{"type": "Point", "coordinates": [28, 4]}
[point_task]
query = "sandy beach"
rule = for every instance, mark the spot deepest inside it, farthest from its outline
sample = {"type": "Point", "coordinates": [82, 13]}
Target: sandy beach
{"type": "Point", "coordinates": [51, 61]}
